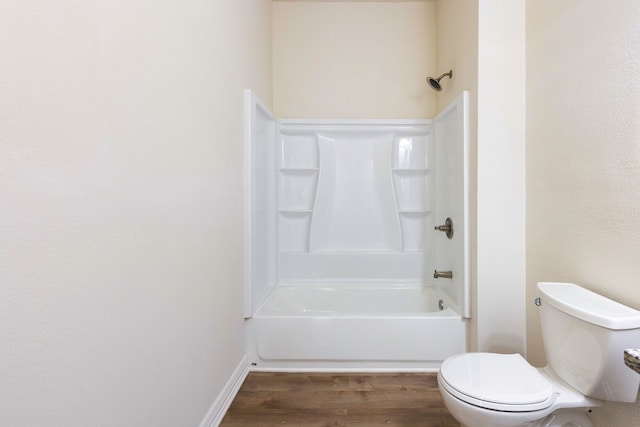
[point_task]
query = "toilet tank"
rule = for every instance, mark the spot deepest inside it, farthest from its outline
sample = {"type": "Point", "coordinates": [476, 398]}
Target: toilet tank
{"type": "Point", "coordinates": [585, 335]}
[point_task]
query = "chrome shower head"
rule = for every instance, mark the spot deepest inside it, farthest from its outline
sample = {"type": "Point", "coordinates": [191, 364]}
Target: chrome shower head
{"type": "Point", "coordinates": [435, 83]}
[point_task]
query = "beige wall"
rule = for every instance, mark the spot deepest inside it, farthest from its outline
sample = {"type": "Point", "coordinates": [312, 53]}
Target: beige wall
{"type": "Point", "coordinates": [121, 213]}
{"type": "Point", "coordinates": [353, 59]}
{"type": "Point", "coordinates": [483, 42]}
{"type": "Point", "coordinates": [500, 268]}
{"type": "Point", "coordinates": [583, 157]}
{"type": "Point", "coordinates": [457, 50]}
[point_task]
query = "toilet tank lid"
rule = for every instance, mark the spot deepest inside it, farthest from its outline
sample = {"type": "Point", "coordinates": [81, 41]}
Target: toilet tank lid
{"type": "Point", "coordinates": [589, 306]}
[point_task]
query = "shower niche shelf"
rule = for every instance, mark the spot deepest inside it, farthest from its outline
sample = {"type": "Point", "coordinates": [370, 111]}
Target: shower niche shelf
{"type": "Point", "coordinates": [410, 168]}
{"type": "Point", "coordinates": [297, 183]}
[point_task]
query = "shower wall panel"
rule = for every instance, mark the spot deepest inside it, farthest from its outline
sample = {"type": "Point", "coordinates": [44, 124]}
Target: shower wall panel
{"type": "Point", "coordinates": [260, 238]}
{"type": "Point", "coordinates": [355, 208]}
{"type": "Point", "coordinates": [355, 201]}
{"type": "Point", "coordinates": [451, 195]}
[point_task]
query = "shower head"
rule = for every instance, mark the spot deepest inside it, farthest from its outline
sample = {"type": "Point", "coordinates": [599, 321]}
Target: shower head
{"type": "Point", "coordinates": [435, 83]}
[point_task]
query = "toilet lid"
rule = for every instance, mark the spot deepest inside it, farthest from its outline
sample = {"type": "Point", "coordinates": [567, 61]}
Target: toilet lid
{"type": "Point", "coordinates": [504, 382]}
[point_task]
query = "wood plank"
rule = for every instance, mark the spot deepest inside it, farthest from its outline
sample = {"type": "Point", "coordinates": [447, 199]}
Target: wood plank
{"type": "Point", "coordinates": [323, 420]}
{"type": "Point", "coordinates": [278, 381]}
{"type": "Point", "coordinates": [342, 399]}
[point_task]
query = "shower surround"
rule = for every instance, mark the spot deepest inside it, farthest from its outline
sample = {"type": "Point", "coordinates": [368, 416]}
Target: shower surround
{"type": "Point", "coordinates": [362, 216]}
{"type": "Point", "coordinates": [340, 241]}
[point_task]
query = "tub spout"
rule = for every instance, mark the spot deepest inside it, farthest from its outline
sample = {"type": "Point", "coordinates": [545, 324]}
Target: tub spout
{"type": "Point", "coordinates": [444, 274]}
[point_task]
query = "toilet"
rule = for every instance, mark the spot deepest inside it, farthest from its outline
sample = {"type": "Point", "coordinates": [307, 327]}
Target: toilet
{"type": "Point", "coordinates": [584, 334]}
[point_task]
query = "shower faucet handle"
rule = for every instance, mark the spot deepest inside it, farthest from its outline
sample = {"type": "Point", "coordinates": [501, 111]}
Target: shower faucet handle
{"type": "Point", "coordinates": [444, 274]}
{"type": "Point", "coordinates": [447, 228]}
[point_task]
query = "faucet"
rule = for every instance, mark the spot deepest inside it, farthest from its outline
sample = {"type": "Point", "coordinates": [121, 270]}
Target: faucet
{"type": "Point", "coordinates": [444, 274]}
{"type": "Point", "coordinates": [447, 228]}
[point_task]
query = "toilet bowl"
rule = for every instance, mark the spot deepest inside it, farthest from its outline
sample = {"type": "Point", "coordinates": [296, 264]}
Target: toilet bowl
{"type": "Point", "coordinates": [584, 334]}
{"type": "Point", "coordinates": [500, 390]}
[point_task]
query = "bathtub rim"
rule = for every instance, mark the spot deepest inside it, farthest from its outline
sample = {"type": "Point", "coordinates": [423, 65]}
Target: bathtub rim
{"type": "Point", "coordinates": [450, 308]}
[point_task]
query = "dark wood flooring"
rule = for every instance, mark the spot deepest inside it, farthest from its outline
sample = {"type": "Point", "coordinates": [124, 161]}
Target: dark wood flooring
{"type": "Point", "coordinates": [319, 399]}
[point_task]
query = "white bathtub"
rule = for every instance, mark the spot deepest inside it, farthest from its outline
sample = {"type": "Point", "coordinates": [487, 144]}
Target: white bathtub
{"type": "Point", "coordinates": [366, 327]}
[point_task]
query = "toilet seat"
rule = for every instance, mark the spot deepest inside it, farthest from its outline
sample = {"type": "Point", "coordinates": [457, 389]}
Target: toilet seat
{"type": "Point", "coordinates": [501, 382]}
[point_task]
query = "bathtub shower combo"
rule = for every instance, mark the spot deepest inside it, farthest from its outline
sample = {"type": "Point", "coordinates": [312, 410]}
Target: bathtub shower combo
{"type": "Point", "coordinates": [356, 241]}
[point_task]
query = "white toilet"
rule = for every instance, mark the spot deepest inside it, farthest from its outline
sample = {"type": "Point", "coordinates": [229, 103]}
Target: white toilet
{"type": "Point", "coordinates": [584, 335]}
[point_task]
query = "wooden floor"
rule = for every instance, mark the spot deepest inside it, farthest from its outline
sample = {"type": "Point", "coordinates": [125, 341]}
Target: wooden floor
{"type": "Point", "coordinates": [306, 399]}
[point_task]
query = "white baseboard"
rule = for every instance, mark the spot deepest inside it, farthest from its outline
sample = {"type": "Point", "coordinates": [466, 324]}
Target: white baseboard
{"type": "Point", "coordinates": [223, 401]}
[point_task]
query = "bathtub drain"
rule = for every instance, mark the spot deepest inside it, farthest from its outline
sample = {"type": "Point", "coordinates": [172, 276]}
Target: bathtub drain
{"type": "Point", "coordinates": [441, 305]}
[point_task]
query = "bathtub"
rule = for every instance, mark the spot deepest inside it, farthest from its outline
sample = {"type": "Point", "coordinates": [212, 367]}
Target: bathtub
{"type": "Point", "coordinates": [346, 327]}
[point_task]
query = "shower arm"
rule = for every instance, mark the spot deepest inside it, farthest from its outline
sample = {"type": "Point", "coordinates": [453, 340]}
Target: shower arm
{"type": "Point", "coordinates": [450, 74]}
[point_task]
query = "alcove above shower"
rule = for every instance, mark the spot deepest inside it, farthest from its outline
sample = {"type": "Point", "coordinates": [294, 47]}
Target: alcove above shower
{"type": "Point", "coordinates": [353, 201]}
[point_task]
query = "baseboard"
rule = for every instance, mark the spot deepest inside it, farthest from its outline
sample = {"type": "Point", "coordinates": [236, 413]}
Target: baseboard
{"type": "Point", "coordinates": [223, 401]}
